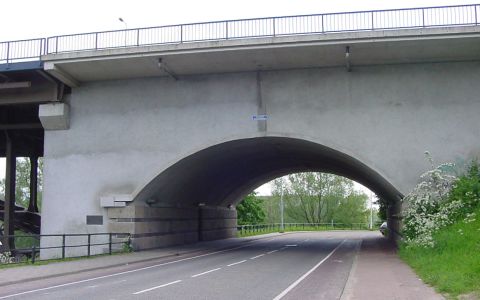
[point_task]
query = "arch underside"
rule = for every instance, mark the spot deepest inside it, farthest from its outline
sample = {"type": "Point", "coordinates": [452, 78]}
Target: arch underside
{"type": "Point", "coordinates": [223, 174]}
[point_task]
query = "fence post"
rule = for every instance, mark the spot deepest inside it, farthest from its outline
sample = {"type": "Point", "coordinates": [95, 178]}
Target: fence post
{"type": "Point", "coordinates": [138, 37]}
{"type": "Point", "coordinates": [110, 243]}
{"type": "Point", "coordinates": [96, 40]}
{"type": "Point", "coordinates": [476, 17]}
{"type": "Point", "coordinates": [373, 20]}
{"type": "Point", "coordinates": [274, 27]}
{"type": "Point", "coordinates": [181, 34]}
{"type": "Point", "coordinates": [42, 45]}
{"type": "Point", "coordinates": [8, 51]}
{"type": "Point", "coordinates": [423, 17]}
{"type": "Point", "coordinates": [323, 26]}
{"type": "Point", "coordinates": [56, 44]}
{"type": "Point", "coordinates": [226, 30]}
{"type": "Point", "coordinates": [33, 254]}
{"type": "Point", "coordinates": [63, 246]}
{"type": "Point", "coordinates": [88, 251]}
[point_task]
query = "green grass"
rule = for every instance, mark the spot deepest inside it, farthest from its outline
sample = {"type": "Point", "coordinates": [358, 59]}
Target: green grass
{"type": "Point", "coordinates": [453, 265]}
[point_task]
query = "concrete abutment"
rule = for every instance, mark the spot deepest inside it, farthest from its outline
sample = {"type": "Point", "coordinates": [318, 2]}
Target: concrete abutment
{"type": "Point", "coordinates": [154, 227]}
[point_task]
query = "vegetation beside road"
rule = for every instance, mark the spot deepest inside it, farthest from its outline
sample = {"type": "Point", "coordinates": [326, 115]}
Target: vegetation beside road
{"type": "Point", "coordinates": [453, 264]}
{"type": "Point", "coordinates": [442, 230]}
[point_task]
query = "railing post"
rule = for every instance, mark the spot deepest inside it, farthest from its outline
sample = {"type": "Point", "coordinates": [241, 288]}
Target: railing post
{"type": "Point", "coordinates": [423, 17]}
{"type": "Point", "coordinates": [274, 27]}
{"type": "Point", "coordinates": [138, 37]}
{"type": "Point", "coordinates": [323, 26]}
{"type": "Point", "coordinates": [226, 30]}
{"type": "Point", "coordinates": [42, 45]}
{"type": "Point", "coordinates": [33, 254]}
{"type": "Point", "coordinates": [56, 44]}
{"type": "Point", "coordinates": [373, 25]}
{"type": "Point", "coordinates": [8, 51]}
{"type": "Point", "coordinates": [88, 251]}
{"type": "Point", "coordinates": [96, 40]}
{"type": "Point", "coordinates": [63, 246]}
{"type": "Point", "coordinates": [181, 34]}
{"type": "Point", "coordinates": [110, 243]}
{"type": "Point", "coordinates": [476, 17]}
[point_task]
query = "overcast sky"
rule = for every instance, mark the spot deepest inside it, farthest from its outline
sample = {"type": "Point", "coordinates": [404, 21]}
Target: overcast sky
{"type": "Point", "coordinates": [34, 18]}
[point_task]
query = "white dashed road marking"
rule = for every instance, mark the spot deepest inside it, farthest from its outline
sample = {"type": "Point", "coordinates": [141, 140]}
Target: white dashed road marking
{"type": "Point", "coordinates": [257, 256]}
{"type": "Point", "coordinates": [210, 271]}
{"type": "Point", "coordinates": [156, 287]}
{"type": "Point", "coordinates": [236, 263]}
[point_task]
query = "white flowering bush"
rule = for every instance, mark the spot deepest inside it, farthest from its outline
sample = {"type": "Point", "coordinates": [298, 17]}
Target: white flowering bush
{"type": "Point", "coordinates": [6, 258]}
{"type": "Point", "coordinates": [439, 200]}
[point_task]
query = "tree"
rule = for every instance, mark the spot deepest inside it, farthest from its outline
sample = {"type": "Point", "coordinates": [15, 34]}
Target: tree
{"type": "Point", "coordinates": [250, 211]}
{"type": "Point", "coordinates": [352, 209]}
{"type": "Point", "coordinates": [22, 187]}
{"type": "Point", "coordinates": [320, 197]}
{"type": "Point", "coordinates": [382, 208]}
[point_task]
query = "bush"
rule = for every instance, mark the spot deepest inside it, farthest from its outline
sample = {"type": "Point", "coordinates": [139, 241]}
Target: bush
{"type": "Point", "coordinates": [440, 199]}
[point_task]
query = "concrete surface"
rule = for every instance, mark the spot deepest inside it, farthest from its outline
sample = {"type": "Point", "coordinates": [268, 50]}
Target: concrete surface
{"type": "Point", "coordinates": [414, 45]}
{"type": "Point", "coordinates": [308, 265]}
{"type": "Point", "coordinates": [182, 143]}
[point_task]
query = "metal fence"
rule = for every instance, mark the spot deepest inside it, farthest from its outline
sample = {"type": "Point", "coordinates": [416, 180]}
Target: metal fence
{"type": "Point", "coordinates": [461, 15]}
{"type": "Point", "coordinates": [61, 243]}
{"type": "Point", "coordinates": [277, 227]}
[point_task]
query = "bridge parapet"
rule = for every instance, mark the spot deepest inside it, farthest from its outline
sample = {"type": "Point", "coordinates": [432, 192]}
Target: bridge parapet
{"type": "Point", "coordinates": [424, 17]}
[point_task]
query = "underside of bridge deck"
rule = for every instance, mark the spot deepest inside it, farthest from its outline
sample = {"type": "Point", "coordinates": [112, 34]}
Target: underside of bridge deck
{"type": "Point", "coordinates": [195, 198]}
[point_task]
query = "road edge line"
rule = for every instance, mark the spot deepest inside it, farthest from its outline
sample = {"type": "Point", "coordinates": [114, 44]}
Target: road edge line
{"type": "Point", "coordinates": [293, 285]}
{"type": "Point", "coordinates": [348, 287]}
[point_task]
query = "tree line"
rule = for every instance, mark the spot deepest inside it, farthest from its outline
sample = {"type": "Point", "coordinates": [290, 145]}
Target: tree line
{"type": "Point", "coordinates": [309, 197]}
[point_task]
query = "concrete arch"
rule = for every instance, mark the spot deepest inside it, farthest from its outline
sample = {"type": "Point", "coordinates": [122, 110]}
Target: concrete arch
{"type": "Point", "coordinates": [220, 175]}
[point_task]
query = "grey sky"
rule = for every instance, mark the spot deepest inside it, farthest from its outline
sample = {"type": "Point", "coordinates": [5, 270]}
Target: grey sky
{"type": "Point", "coordinates": [32, 18]}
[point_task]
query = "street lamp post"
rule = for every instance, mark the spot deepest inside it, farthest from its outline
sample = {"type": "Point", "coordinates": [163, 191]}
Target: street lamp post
{"type": "Point", "coordinates": [282, 226]}
{"type": "Point", "coordinates": [371, 210]}
{"type": "Point", "coordinates": [126, 27]}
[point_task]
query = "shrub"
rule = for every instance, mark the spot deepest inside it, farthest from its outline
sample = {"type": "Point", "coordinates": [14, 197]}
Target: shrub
{"type": "Point", "coordinates": [439, 200]}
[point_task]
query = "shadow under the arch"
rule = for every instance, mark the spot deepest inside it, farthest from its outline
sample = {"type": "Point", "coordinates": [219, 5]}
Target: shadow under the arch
{"type": "Point", "coordinates": [194, 199]}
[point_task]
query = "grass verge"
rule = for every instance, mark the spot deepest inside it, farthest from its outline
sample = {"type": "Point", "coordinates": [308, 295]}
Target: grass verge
{"type": "Point", "coordinates": [453, 265]}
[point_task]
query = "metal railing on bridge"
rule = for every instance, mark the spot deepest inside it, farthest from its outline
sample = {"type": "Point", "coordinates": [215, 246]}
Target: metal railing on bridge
{"type": "Point", "coordinates": [460, 15]}
{"type": "Point", "coordinates": [87, 244]}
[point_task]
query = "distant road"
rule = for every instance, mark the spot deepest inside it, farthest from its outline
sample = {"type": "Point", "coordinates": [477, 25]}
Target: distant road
{"type": "Point", "coordinates": [292, 266]}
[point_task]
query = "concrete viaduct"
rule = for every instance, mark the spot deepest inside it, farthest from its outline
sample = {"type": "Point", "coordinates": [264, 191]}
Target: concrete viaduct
{"type": "Point", "coordinates": [162, 140]}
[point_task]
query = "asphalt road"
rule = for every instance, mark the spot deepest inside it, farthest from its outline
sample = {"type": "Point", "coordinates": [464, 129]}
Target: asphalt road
{"type": "Point", "coordinates": [292, 266]}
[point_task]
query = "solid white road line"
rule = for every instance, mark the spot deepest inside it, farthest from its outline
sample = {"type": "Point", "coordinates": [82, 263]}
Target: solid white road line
{"type": "Point", "coordinates": [273, 251]}
{"type": "Point", "coordinates": [156, 287]}
{"type": "Point", "coordinates": [294, 245]}
{"type": "Point", "coordinates": [257, 256]}
{"type": "Point", "coordinates": [203, 273]}
{"type": "Point", "coordinates": [237, 263]}
{"type": "Point", "coordinates": [293, 285]}
{"type": "Point", "coordinates": [131, 271]}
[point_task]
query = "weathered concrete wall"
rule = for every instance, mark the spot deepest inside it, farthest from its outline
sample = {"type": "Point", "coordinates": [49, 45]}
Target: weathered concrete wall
{"type": "Point", "coordinates": [124, 133]}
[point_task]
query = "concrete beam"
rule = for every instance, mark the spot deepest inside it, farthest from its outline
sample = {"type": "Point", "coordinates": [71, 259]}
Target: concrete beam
{"type": "Point", "coordinates": [15, 85]}
{"type": "Point", "coordinates": [54, 116]}
{"type": "Point", "coordinates": [58, 73]}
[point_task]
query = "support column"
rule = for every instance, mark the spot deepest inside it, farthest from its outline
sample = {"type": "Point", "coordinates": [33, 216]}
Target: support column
{"type": "Point", "coordinates": [9, 208]}
{"type": "Point", "coordinates": [32, 204]}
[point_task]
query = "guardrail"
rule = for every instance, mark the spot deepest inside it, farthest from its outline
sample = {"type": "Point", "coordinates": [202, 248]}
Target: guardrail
{"type": "Point", "coordinates": [20, 255]}
{"type": "Point", "coordinates": [277, 227]}
{"type": "Point", "coordinates": [438, 16]}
